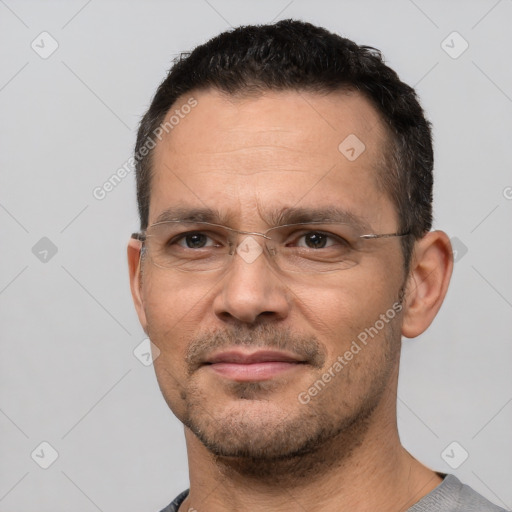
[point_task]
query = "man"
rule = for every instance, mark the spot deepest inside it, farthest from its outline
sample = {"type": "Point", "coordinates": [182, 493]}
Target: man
{"type": "Point", "coordinates": [284, 182]}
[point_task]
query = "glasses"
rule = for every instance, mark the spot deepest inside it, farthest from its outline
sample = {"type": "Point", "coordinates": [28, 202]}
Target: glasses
{"type": "Point", "coordinates": [313, 247]}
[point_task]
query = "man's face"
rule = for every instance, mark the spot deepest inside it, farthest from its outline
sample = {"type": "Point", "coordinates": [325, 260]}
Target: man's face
{"type": "Point", "coordinates": [240, 348]}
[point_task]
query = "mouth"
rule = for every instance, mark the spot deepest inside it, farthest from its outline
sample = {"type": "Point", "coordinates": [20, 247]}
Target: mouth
{"type": "Point", "coordinates": [255, 366]}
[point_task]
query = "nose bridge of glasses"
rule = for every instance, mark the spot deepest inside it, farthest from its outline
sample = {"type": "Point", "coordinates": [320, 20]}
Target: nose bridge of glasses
{"type": "Point", "coordinates": [246, 245]}
{"type": "Point", "coordinates": [239, 232]}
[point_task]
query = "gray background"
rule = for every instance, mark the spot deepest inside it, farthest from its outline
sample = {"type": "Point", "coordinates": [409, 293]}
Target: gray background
{"type": "Point", "coordinates": [68, 373]}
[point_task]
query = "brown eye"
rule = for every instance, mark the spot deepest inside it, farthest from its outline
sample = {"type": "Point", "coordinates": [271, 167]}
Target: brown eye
{"type": "Point", "coordinates": [315, 240]}
{"type": "Point", "coordinates": [194, 240]}
{"type": "Point", "coordinates": [319, 240]}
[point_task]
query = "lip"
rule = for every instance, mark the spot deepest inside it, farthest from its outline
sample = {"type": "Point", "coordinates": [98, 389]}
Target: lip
{"type": "Point", "coordinates": [260, 365]}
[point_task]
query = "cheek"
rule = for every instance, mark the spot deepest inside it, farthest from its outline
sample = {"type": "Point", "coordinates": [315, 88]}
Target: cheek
{"type": "Point", "coordinates": [362, 336]}
{"type": "Point", "coordinates": [170, 326]}
{"type": "Point", "coordinates": [172, 382]}
{"type": "Point", "coordinates": [173, 314]}
{"type": "Point", "coordinates": [346, 308]}
{"type": "Point", "coordinates": [172, 301]}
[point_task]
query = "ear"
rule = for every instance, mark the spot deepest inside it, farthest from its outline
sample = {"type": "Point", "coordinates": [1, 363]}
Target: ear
{"type": "Point", "coordinates": [427, 284]}
{"type": "Point", "coordinates": [134, 268]}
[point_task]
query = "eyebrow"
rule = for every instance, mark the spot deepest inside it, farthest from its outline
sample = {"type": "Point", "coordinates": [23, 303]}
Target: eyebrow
{"type": "Point", "coordinates": [279, 217]}
{"type": "Point", "coordinates": [186, 214]}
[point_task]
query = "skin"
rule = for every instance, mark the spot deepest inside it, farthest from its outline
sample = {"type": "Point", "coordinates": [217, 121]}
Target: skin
{"type": "Point", "coordinates": [253, 445]}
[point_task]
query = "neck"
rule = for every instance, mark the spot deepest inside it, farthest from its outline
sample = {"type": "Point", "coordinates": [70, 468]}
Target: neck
{"type": "Point", "coordinates": [364, 468]}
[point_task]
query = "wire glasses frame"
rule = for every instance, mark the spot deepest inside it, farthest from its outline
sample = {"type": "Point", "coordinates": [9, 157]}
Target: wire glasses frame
{"type": "Point", "coordinates": [162, 240]}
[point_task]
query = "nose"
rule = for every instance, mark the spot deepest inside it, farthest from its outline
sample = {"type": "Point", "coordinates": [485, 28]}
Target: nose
{"type": "Point", "coordinates": [251, 288]}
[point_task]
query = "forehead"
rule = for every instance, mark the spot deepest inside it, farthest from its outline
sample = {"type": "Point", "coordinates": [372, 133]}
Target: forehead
{"type": "Point", "coordinates": [278, 149]}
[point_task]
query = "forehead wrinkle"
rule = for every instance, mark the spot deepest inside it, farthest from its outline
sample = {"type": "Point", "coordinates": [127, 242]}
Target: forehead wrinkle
{"type": "Point", "coordinates": [272, 217]}
{"type": "Point", "coordinates": [255, 147]}
{"type": "Point", "coordinates": [302, 215]}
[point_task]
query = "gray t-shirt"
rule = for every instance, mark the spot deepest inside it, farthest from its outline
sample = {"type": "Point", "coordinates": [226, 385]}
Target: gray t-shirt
{"type": "Point", "coordinates": [449, 496]}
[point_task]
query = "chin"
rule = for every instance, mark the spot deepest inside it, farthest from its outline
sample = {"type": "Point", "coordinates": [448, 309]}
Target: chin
{"type": "Point", "coordinates": [267, 443]}
{"type": "Point", "coordinates": [264, 429]}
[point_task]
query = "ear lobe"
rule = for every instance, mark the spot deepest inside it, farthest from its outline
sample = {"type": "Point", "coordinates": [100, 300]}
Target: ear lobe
{"type": "Point", "coordinates": [427, 284]}
{"type": "Point", "coordinates": [134, 268]}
